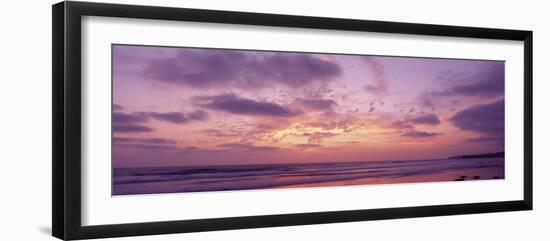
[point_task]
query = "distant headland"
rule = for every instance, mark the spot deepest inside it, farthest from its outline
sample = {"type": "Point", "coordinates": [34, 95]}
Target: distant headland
{"type": "Point", "coordinates": [484, 155]}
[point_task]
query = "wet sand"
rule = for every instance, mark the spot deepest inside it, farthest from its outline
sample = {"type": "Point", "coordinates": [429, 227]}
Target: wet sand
{"type": "Point", "coordinates": [482, 173]}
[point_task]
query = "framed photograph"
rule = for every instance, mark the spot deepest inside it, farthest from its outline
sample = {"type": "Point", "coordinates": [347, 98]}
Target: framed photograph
{"type": "Point", "coordinates": [172, 120]}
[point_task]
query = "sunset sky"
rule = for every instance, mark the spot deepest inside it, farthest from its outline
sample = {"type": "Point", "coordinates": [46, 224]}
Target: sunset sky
{"type": "Point", "coordinates": [192, 106]}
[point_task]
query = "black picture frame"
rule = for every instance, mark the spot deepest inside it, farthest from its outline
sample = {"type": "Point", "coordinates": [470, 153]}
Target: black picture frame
{"type": "Point", "coordinates": [66, 128]}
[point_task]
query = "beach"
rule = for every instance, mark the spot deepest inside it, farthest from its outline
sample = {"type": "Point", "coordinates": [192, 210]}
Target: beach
{"type": "Point", "coordinates": [147, 180]}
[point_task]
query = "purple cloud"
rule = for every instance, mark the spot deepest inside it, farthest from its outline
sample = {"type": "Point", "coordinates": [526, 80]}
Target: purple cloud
{"type": "Point", "coordinates": [236, 105]}
{"type": "Point", "coordinates": [402, 125]}
{"type": "Point", "coordinates": [131, 128]}
{"type": "Point", "coordinates": [203, 68]}
{"type": "Point", "coordinates": [409, 129]}
{"type": "Point", "coordinates": [318, 104]}
{"type": "Point", "coordinates": [305, 146]}
{"type": "Point", "coordinates": [143, 140]}
{"type": "Point", "coordinates": [484, 118]}
{"type": "Point", "coordinates": [247, 147]}
{"type": "Point", "coordinates": [420, 134]}
{"type": "Point", "coordinates": [132, 118]}
{"type": "Point", "coordinates": [425, 100]}
{"type": "Point", "coordinates": [179, 117]}
{"type": "Point", "coordinates": [488, 138]}
{"type": "Point", "coordinates": [408, 124]}
{"type": "Point", "coordinates": [144, 146]}
{"type": "Point", "coordinates": [220, 133]}
{"type": "Point", "coordinates": [120, 118]}
{"type": "Point", "coordinates": [380, 84]}
{"type": "Point", "coordinates": [246, 132]}
{"type": "Point", "coordinates": [318, 137]}
{"type": "Point", "coordinates": [426, 119]}
{"type": "Point", "coordinates": [117, 107]}
{"type": "Point", "coordinates": [488, 82]}
{"type": "Point", "coordinates": [346, 124]}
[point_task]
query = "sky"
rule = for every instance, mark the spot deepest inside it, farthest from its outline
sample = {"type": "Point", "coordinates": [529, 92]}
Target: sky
{"type": "Point", "coordinates": [197, 106]}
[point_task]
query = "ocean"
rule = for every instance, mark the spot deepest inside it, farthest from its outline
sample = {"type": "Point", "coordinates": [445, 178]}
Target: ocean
{"type": "Point", "coordinates": [149, 180]}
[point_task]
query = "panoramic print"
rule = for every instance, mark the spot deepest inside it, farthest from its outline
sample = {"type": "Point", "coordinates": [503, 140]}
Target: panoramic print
{"type": "Point", "coordinates": [203, 119]}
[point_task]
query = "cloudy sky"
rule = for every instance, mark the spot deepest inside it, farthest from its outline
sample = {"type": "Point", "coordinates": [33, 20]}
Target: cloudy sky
{"type": "Point", "coordinates": [191, 106]}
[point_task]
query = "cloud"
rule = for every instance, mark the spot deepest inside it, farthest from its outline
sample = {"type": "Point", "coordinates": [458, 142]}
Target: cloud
{"type": "Point", "coordinates": [144, 146]}
{"type": "Point", "coordinates": [131, 128]}
{"type": "Point", "coordinates": [220, 133]}
{"type": "Point", "coordinates": [318, 104]}
{"type": "Point", "coordinates": [402, 125]}
{"type": "Point", "coordinates": [425, 100]}
{"type": "Point", "coordinates": [247, 147]}
{"type": "Point", "coordinates": [347, 124]}
{"type": "Point", "coordinates": [204, 68]}
{"type": "Point", "coordinates": [132, 118]}
{"type": "Point", "coordinates": [407, 126]}
{"type": "Point", "coordinates": [245, 132]}
{"type": "Point", "coordinates": [488, 82]}
{"type": "Point", "coordinates": [318, 137]}
{"type": "Point", "coordinates": [143, 140]}
{"type": "Point", "coordinates": [484, 139]}
{"type": "Point", "coordinates": [426, 119]}
{"type": "Point", "coordinates": [380, 84]}
{"type": "Point", "coordinates": [420, 134]}
{"type": "Point", "coordinates": [117, 107]}
{"type": "Point", "coordinates": [120, 118]}
{"type": "Point", "coordinates": [306, 146]}
{"type": "Point", "coordinates": [179, 117]}
{"type": "Point", "coordinates": [236, 105]}
{"type": "Point", "coordinates": [146, 143]}
{"type": "Point", "coordinates": [484, 118]}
